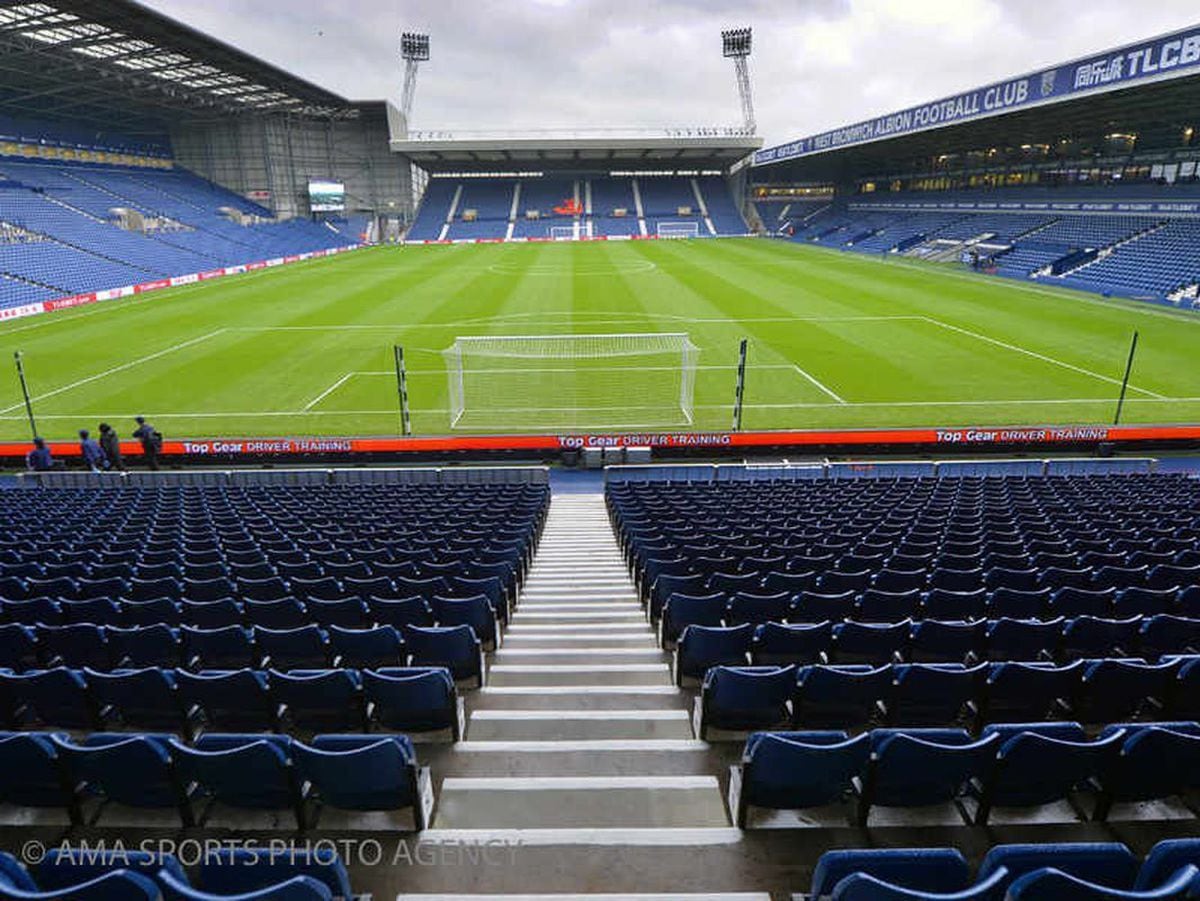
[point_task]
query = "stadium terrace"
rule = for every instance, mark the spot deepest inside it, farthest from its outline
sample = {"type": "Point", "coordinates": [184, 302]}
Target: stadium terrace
{"type": "Point", "coordinates": [395, 512]}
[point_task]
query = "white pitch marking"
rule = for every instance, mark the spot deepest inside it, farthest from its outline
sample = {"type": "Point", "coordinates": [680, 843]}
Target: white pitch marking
{"type": "Point", "coordinates": [114, 370]}
{"type": "Point", "coordinates": [328, 391]}
{"type": "Point", "coordinates": [819, 384]}
{"type": "Point", "coordinates": [1039, 356]}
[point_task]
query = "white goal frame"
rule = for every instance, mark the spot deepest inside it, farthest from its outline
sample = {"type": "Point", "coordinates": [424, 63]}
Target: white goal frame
{"type": "Point", "coordinates": [564, 232]}
{"type": "Point", "coordinates": [475, 363]}
{"type": "Point", "coordinates": [687, 229]}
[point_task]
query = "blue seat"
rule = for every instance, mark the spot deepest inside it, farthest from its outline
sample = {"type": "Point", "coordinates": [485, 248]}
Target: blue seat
{"type": "Point", "coordinates": [878, 606]}
{"type": "Point", "coordinates": [154, 612]}
{"type": "Point", "coordinates": [837, 581]}
{"type": "Point", "coordinates": [33, 611]}
{"type": "Point", "coordinates": [133, 770]}
{"type": "Point", "coordinates": [304, 647]}
{"type": "Point", "coordinates": [1024, 579]}
{"type": "Point", "coordinates": [243, 771]}
{"type": "Point", "coordinates": [918, 770]}
{"type": "Point", "coordinates": [1156, 761]}
{"type": "Point", "coordinates": [1038, 764]}
{"type": "Point", "coordinates": [53, 697]}
{"type": "Point", "coordinates": [1184, 702]}
{"type": "Point", "coordinates": [702, 647]}
{"type": "Point", "coordinates": [934, 694]}
{"type": "Point", "coordinates": [735, 697]}
{"type": "Point", "coordinates": [1164, 634]}
{"type": "Point", "coordinates": [77, 645]}
{"type": "Point", "coordinates": [475, 612]}
{"type": "Point", "coordinates": [208, 589]}
{"type": "Point", "coordinates": [927, 870]}
{"type": "Point", "coordinates": [373, 648]}
{"type": "Point", "coordinates": [316, 588]}
{"type": "Point", "coordinates": [778, 644]}
{"type": "Point", "coordinates": [258, 583]}
{"type": "Point", "coordinates": [278, 613]}
{"type": "Point", "coordinates": [1052, 884]}
{"type": "Point", "coordinates": [1113, 690]}
{"type": "Point", "coordinates": [229, 647]}
{"type": "Point", "coordinates": [140, 699]}
{"type": "Point", "coordinates": [346, 612]}
{"type": "Point", "coordinates": [142, 646]}
{"type": "Point", "coordinates": [822, 606]}
{"type": "Point", "coordinates": [855, 642]}
{"type": "Point", "coordinates": [1092, 636]}
{"type": "Point", "coordinates": [945, 641]}
{"type": "Point", "coordinates": [33, 774]}
{"type": "Point", "coordinates": [412, 611]}
{"type": "Point", "coordinates": [1023, 639]}
{"type": "Point", "coordinates": [941, 603]}
{"type": "Point", "coordinates": [1026, 692]}
{"type": "Point", "coordinates": [1142, 601]}
{"type": "Point", "coordinates": [97, 611]}
{"type": "Point", "coordinates": [456, 648]}
{"type": "Point", "coordinates": [661, 587]}
{"type": "Point", "coordinates": [1165, 859]}
{"type": "Point", "coordinates": [118, 885]}
{"type": "Point", "coordinates": [901, 581]}
{"type": "Point", "coordinates": [235, 700]}
{"type": "Point", "coordinates": [141, 589]}
{"type": "Point", "coordinates": [683, 610]}
{"type": "Point", "coordinates": [956, 579]}
{"type": "Point", "coordinates": [1015, 603]}
{"type": "Point", "coordinates": [416, 699]}
{"type": "Point", "coordinates": [794, 770]}
{"type": "Point", "coordinates": [757, 607]}
{"type": "Point", "coordinates": [67, 866]}
{"type": "Point", "coordinates": [217, 614]}
{"type": "Point", "coordinates": [1071, 602]}
{"type": "Point", "coordinates": [322, 699]}
{"type": "Point", "coordinates": [839, 696]}
{"type": "Point", "coordinates": [18, 647]}
{"type": "Point", "coordinates": [241, 871]}
{"type": "Point", "coordinates": [362, 772]}
{"type": "Point", "coordinates": [1107, 862]}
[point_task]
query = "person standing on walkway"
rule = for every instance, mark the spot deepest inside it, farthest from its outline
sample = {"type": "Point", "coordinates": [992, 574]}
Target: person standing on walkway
{"type": "Point", "coordinates": [39, 459]}
{"type": "Point", "coordinates": [111, 445]}
{"type": "Point", "coordinates": [151, 441]}
{"type": "Point", "coordinates": [93, 455]}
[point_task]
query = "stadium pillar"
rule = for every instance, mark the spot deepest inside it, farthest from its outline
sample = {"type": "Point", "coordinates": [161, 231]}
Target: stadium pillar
{"type": "Point", "coordinates": [740, 389]}
{"type": "Point", "coordinates": [25, 393]}
{"type": "Point", "coordinates": [1125, 381]}
{"type": "Point", "coordinates": [402, 388]}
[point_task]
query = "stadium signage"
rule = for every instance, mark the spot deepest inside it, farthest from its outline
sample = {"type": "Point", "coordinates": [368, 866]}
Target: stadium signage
{"type": "Point", "coordinates": [1171, 56]}
{"type": "Point", "coordinates": [1174, 207]}
{"type": "Point", "coordinates": [1064, 436]}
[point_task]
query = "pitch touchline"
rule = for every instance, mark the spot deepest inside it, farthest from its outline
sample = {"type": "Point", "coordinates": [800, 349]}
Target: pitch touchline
{"type": "Point", "coordinates": [100, 375]}
{"type": "Point", "coordinates": [764, 406]}
{"type": "Point", "coordinates": [1038, 356]}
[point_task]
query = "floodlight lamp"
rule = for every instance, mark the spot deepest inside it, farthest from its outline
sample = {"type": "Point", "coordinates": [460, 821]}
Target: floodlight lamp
{"type": "Point", "coordinates": [414, 46]}
{"type": "Point", "coordinates": [736, 42]}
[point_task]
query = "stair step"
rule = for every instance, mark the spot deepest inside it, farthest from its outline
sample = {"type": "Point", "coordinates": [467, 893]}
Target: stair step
{"type": "Point", "coordinates": [503, 674]}
{"type": "Point", "coordinates": [591, 696]}
{"type": "Point", "coordinates": [545, 628]}
{"type": "Point", "coordinates": [628, 802]}
{"type": "Point", "coordinates": [583, 757]}
{"type": "Point", "coordinates": [565, 725]}
{"type": "Point", "coordinates": [673, 896]}
{"type": "Point", "coordinates": [643, 654]}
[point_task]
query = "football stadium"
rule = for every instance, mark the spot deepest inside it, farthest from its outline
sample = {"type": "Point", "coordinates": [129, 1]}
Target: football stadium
{"type": "Point", "coordinates": [603, 512]}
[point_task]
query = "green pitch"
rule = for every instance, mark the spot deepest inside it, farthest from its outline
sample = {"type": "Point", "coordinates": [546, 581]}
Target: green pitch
{"type": "Point", "coordinates": [835, 340]}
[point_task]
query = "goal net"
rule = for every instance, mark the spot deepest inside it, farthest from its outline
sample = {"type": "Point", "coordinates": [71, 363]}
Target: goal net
{"type": "Point", "coordinates": [563, 232]}
{"type": "Point", "coordinates": [678, 229]}
{"type": "Point", "coordinates": [525, 382]}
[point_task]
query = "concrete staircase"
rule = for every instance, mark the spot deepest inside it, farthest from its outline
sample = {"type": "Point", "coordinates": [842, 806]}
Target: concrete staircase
{"type": "Point", "coordinates": [579, 752]}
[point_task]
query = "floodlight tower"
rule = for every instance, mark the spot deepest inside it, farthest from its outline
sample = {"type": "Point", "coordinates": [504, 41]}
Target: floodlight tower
{"type": "Point", "coordinates": [414, 50]}
{"type": "Point", "coordinates": [735, 43]}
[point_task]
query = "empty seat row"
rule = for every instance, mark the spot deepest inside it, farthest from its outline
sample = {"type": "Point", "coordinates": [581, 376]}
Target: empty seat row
{"type": "Point", "coordinates": [1012, 765]}
{"type": "Point", "coordinates": [1092, 871]}
{"type": "Point", "coordinates": [106, 647]}
{"type": "Point", "coordinates": [294, 873]}
{"type": "Point", "coordinates": [409, 699]}
{"type": "Point", "coordinates": [935, 641]}
{"type": "Point", "coordinates": [240, 770]}
{"type": "Point", "coordinates": [853, 696]}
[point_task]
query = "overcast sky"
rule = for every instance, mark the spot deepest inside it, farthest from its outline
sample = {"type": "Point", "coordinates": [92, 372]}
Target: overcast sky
{"type": "Point", "coordinates": [610, 63]}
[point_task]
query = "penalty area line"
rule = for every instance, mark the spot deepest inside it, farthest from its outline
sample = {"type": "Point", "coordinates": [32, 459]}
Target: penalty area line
{"type": "Point", "coordinates": [819, 384]}
{"type": "Point", "coordinates": [328, 391]}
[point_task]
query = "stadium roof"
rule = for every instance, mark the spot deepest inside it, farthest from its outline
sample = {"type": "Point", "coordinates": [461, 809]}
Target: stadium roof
{"type": "Point", "coordinates": [593, 149]}
{"type": "Point", "coordinates": [95, 60]}
{"type": "Point", "coordinates": [1144, 87]}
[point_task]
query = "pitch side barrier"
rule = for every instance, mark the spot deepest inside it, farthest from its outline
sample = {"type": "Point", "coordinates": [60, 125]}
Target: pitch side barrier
{"type": "Point", "coordinates": [762, 472]}
{"type": "Point", "coordinates": [445, 449]}
{"type": "Point", "coordinates": [432, 475]}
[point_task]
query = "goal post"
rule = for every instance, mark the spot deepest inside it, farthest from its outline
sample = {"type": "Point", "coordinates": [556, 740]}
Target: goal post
{"type": "Point", "coordinates": [564, 232]}
{"type": "Point", "coordinates": [678, 229]}
{"type": "Point", "coordinates": [530, 382]}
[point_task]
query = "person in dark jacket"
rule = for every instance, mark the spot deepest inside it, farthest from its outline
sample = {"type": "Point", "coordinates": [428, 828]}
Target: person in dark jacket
{"type": "Point", "coordinates": [111, 445]}
{"type": "Point", "coordinates": [93, 455]}
{"type": "Point", "coordinates": [151, 440]}
{"type": "Point", "coordinates": [39, 459]}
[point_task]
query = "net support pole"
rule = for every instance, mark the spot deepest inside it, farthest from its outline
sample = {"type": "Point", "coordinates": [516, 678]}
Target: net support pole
{"type": "Point", "coordinates": [740, 389]}
{"type": "Point", "coordinates": [25, 393]}
{"type": "Point", "coordinates": [402, 388]}
{"type": "Point", "coordinates": [1125, 381]}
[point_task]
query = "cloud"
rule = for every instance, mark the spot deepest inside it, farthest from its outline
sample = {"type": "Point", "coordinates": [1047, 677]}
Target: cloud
{"type": "Point", "coordinates": [528, 64]}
